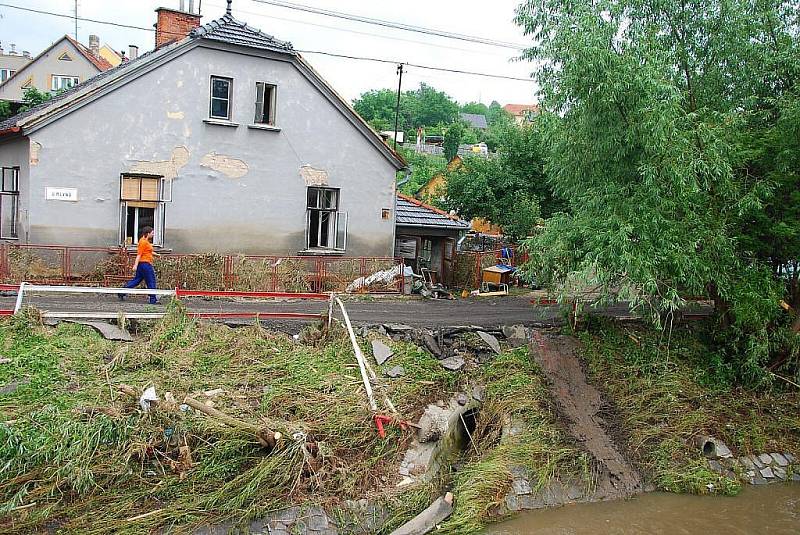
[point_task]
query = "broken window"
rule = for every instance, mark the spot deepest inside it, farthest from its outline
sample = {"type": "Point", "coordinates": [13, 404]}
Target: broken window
{"type": "Point", "coordinates": [9, 203]}
{"type": "Point", "coordinates": [220, 107]}
{"type": "Point", "coordinates": [58, 82]}
{"type": "Point", "coordinates": [265, 103]}
{"type": "Point", "coordinates": [426, 255]}
{"type": "Point", "coordinates": [143, 199]}
{"type": "Point", "coordinates": [326, 226]}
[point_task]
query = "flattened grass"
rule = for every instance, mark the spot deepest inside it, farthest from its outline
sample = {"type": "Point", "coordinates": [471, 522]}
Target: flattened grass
{"type": "Point", "coordinates": [89, 472]}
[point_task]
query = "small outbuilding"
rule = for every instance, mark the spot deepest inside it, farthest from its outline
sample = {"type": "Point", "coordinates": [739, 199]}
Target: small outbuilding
{"type": "Point", "coordinates": [426, 237]}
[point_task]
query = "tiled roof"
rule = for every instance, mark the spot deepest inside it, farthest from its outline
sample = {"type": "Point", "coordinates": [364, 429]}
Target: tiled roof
{"type": "Point", "coordinates": [69, 93]}
{"type": "Point", "coordinates": [414, 213]}
{"type": "Point", "coordinates": [229, 30]}
{"type": "Point", "coordinates": [477, 120]}
{"type": "Point", "coordinates": [100, 63]}
{"type": "Point", "coordinates": [519, 109]}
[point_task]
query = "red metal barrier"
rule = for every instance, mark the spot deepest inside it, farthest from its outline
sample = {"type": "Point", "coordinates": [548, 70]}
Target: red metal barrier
{"type": "Point", "coordinates": [111, 266]}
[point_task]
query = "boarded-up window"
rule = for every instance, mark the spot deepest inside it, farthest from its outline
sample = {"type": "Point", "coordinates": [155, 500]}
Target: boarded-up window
{"type": "Point", "coordinates": [141, 189]}
{"type": "Point", "coordinates": [142, 205]}
{"type": "Point", "coordinates": [405, 247]}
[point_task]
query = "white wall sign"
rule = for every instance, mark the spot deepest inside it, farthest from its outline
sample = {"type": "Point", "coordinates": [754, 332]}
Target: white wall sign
{"type": "Point", "coordinates": [61, 194]}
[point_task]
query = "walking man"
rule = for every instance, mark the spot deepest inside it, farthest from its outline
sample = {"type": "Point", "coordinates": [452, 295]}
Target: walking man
{"type": "Point", "coordinates": [143, 266]}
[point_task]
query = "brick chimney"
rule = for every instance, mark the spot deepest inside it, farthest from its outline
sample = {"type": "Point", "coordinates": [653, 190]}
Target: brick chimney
{"type": "Point", "coordinates": [174, 25]}
{"type": "Point", "coordinates": [94, 45]}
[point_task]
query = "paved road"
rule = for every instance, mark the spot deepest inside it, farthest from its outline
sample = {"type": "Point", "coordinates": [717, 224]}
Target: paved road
{"type": "Point", "coordinates": [482, 311]}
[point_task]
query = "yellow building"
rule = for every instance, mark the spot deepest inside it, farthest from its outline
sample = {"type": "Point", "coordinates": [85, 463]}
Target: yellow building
{"type": "Point", "coordinates": [435, 188]}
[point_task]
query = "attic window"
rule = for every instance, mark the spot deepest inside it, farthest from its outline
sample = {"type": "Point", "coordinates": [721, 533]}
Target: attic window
{"type": "Point", "coordinates": [265, 103]}
{"type": "Point", "coordinates": [64, 57]}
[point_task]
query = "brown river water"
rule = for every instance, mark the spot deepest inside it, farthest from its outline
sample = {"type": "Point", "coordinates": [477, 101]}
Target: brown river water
{"type": "Point", "coordinates": [773, 509]}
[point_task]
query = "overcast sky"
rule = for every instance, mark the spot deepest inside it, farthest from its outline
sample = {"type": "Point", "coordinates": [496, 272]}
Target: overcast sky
{"type": "Point", "coordinates": [307, 31]}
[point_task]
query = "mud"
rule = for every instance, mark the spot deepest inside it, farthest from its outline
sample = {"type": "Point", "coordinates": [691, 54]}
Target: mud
{"type": "Point", "coordinates": [580, 403]}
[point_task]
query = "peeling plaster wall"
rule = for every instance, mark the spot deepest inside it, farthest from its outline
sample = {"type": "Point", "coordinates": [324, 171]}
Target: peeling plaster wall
{"type": "Point", "coordinates": [235, 189]}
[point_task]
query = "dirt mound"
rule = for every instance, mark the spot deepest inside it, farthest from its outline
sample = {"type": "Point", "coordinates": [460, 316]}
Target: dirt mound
{"type": "Point", "coordinates": [579, 403]}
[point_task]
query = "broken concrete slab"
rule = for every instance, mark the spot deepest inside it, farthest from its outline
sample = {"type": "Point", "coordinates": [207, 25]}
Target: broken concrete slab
{"type": "Point", "coordinates": [516, 335]}
{"type": "Point", "coordinates": [381, 351]}
{"type": "Point", "coordinates": [427, 520]}
{"type": "Point", "coordinates": [490, 340]}
{"type": "Point", "coordinates": [452, 363]}
{"type": "Point", "coordinates": [431, 345]}
{"type": "Point", "coordinates": [106, 330]}
{"type": "Point", "coordinates": [397, 371]}
{"type": "Point", "coordinates": [398, 327]}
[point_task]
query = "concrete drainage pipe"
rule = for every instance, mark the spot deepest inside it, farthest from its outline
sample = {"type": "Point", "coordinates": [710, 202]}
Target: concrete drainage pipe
{"type": "Point", "coordinates": [712, 448]}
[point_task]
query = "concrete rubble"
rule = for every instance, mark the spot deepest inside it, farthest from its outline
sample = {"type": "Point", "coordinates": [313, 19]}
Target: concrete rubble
{"type": "Point", "coordinates": [381, 351]}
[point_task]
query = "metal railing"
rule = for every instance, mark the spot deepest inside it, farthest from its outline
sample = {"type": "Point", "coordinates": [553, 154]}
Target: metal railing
{"type": "Point", "coordinates": [111, 266]}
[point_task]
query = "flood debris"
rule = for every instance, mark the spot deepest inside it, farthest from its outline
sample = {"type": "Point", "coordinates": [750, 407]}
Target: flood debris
{"type": "Point", "coordinates": [106, 330]}
{"type": "Point", "coordinates": [490, 340]}
{"type": "Point", "coordinates": [453, 364]}
{"type": "Point", "coordinates": [395, 372]}
{"type": "Point", "coordinates": [381, 351]}
{"type": "Point", "coordinates": [427, 520]}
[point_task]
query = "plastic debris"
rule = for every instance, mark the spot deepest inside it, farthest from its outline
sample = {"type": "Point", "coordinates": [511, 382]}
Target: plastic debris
{"type": "Point", "coordinates": [148, 396]}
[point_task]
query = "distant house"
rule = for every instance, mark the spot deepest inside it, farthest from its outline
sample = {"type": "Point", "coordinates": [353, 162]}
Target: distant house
{"type": "Point", "coordinates": [223, 139]}
{"type": "Point", "coordinates": [475, 120]}
{"type": "Point", "coordinates": [64, 64]}
{"type": "Point", "coordinates": [112, 56]}
{"type": "Point", "coordinates": [11, 62]}
{"type": "Point", "coordinates": [435, 189]}
{"type": "Point", "coordinates": [523, 113]}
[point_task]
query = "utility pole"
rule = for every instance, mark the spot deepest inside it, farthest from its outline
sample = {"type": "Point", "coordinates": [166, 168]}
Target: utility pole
{"type": "Point", "coordinates": [397, 105]}
{"type": "Point", "coordinates": [76, 20]}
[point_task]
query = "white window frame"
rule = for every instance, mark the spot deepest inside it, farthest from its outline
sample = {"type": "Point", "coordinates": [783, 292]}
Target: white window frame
{"type": "Point", "coordinates": [57, 81]}
{"type": "Point", "coordinates": [159, 214]}
{"type": "Point", "coordinates": [337, 222]}
{"type": "Point", "coordinates": [212, 98]}
{"type": "Point", "coordinates": [262, 103]}
{"type": "Point", "coordinates": [5, 74]}
{"type": "Point", "coordinates": [9, 187]}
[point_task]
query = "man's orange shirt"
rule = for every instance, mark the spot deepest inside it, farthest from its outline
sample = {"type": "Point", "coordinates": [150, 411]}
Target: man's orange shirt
{"type": "Point", "coordinates": [145, 251]}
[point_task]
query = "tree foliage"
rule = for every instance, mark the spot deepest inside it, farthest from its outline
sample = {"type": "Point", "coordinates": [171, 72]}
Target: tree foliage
{"type": "Point", "coordinates": [452, 139]}
{"type": "Point", "coordinates": [33, 97]}
{"type": "Point", "coordinates": [424, 106]}
{"type": "Point", "coordinates": [660, 112]}
{"type": "Point", "coordinates": [510, 190]}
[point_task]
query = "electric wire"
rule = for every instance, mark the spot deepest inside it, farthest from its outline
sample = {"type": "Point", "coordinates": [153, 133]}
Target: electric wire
{"type": "Point", "coordinates": [318, 52]}
{"type": "Point", "coordinates": [392, 24]}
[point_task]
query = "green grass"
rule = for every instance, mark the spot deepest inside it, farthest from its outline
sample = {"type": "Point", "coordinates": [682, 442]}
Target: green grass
{"type": "Point", "coordinates": [515, 390]}
{"type": "Point", "coordinates": [667, 393]}
{"type": "Point", "coordinates": [89, 472]}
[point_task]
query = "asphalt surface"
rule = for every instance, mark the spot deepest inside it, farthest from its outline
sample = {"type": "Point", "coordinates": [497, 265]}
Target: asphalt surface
{"type": "Point", "coordinates": [480, 311]}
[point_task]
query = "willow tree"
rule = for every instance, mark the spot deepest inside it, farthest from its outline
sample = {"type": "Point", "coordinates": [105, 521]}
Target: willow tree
{"type": "Point", "coordinates": [652, 119]}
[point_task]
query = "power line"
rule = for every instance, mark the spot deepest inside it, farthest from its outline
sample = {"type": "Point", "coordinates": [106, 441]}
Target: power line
{"type": "Point", "coordinates": [443, 69]}
{"type": "Point", "coordinates": [392, 24]}
{"type": "Point", "coordinates": [320, 52]}
{"type": "Point", "coordinates": [349, 30]}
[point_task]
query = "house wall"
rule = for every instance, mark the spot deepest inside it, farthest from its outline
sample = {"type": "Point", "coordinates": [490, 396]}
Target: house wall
{"type": "Point", "coordinates": [235, 189]}
{"type": "Point", "coordinates": [44, 66]}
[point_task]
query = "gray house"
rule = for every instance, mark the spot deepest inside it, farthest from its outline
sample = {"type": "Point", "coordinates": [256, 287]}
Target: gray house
{"type": "Point", "coordinates": [225, 140]}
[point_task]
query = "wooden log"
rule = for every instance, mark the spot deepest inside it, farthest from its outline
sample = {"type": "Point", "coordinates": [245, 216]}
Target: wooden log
{"type": "Point", "coordinates": [265, 436]}
{"type": "Point", "coordinates": [427, 520]}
